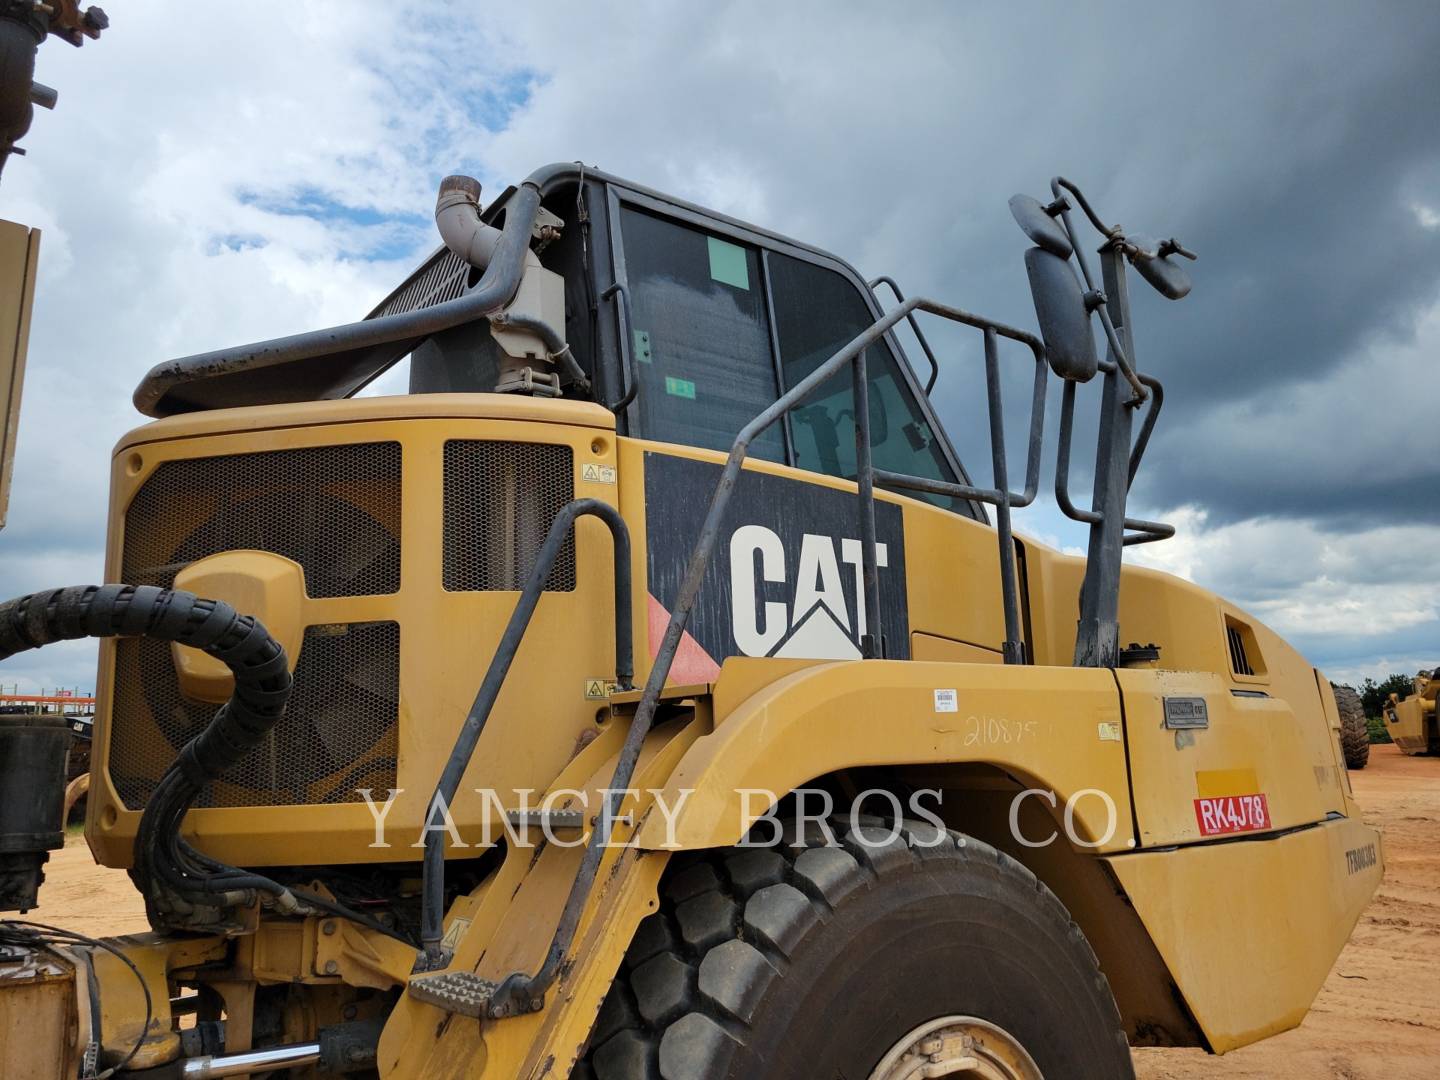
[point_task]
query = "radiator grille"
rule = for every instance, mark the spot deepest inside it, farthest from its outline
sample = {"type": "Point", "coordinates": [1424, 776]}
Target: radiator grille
{"type": "Point", "coordinates": [338, 732]}
{"type": "Point", "coordinates": [500, 501]}
{"type": "Point", "coordinates": [333, 509]}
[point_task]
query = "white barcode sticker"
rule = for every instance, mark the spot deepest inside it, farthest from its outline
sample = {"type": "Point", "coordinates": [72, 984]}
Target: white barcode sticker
{"type": "Point", "coordinates": [946, 701]}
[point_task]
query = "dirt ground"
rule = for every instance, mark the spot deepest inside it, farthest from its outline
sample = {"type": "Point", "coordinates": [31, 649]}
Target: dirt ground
{"type": "Point", "coordinates": [1377, 1017]}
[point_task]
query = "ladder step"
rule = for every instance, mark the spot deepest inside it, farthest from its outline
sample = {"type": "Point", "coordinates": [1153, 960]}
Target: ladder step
{"type": "Point", "coordinates": [555, 819]}
{"type": "Point", "coordinates": [461, 992]}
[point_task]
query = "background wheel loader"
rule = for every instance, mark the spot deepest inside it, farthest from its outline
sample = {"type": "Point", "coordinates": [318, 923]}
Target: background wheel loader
{"type": "Point", "coordinates": [651, 692]}
{"type": "Point", "coordinates": [1411, 720]}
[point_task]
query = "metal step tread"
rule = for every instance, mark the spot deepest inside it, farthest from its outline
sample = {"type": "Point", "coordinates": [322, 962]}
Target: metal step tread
{"type": "Point", "coordinates": [460, 992]}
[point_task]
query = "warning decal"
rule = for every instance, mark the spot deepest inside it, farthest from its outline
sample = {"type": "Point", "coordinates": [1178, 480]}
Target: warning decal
{"type": "Point", "coordinates": [1226, 814]}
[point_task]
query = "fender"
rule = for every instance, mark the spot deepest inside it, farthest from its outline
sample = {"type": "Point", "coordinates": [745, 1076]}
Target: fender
{"type": "Point", "coordinates": [799, 723]}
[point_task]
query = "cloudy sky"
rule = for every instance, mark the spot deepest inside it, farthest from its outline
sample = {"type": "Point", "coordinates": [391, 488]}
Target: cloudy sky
{"type": "Point", "coordinates": [216, 178]}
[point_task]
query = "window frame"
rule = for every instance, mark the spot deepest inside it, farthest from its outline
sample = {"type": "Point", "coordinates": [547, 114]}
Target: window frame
{"type": "Point", "coordinates": [618, 195]}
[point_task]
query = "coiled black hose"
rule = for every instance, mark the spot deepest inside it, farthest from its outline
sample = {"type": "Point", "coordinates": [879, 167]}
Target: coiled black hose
{"type": "Point", "coordinates": [262, 687]}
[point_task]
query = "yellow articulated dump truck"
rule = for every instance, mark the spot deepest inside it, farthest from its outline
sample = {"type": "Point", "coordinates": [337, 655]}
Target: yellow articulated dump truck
{"type": "Point", "coordinates": [652, 693]}
{"type": "Point", "coordinates": [1411, 720]}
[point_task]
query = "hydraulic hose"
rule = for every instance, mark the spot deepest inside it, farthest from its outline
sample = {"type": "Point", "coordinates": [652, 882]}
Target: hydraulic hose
{"type": "Point", "coordinates": [164, 860]}
{"type": "Point", "coordinates": [262, 686]}
{"type": "Point", "coordinates": [262, 674]}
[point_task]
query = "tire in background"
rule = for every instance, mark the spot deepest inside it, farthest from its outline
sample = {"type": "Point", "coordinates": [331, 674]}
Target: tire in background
{"type": "Point", "coordinates": [779, 963]}
{"type": "Point", "coordinates": [1354, 732]}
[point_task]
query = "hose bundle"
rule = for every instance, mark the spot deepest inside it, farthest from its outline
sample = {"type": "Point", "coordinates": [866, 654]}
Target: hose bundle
{"type": "Point", "coordinates": [262, 685]}
{"type": "Point", "coordinates": [163, 858]}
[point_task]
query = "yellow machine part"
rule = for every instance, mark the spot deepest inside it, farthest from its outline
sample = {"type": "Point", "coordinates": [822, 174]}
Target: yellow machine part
{"type": "Point", "coordinates": [770, 725]}
{"type": "Point", "coordinates": [19, 259]}
{"type": "Point", "coordinates": [446, 637]}
{"type": "Point", "coordinates": [1250, 929]}
{"type": "Point", "coordinates": [1411, 721]}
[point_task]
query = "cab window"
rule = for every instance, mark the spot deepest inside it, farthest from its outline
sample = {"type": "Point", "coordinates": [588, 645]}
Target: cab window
{"type": "Point", "coordinates": [816, 313]}
{"type": "Point", "coordinates": [702, 339]}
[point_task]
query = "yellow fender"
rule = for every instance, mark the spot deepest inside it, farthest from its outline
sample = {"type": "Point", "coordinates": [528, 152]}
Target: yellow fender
{"type": "Point", "coordinates": [779, 724]}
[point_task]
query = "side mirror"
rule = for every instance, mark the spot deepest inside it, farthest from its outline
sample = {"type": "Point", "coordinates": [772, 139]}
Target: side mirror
{"type": "Point", "coordinates": [1163, 275]}
{"type": "Point", "coordinates": [1062, 315]}
{"type": "Point", "coordinates": [1042, 229]}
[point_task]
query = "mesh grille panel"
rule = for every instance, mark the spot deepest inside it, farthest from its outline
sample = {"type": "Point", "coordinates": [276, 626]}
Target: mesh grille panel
{"type": "Point", "coordinates": [333, 509]}
{"type": "Point", "coordinates": [500, 500]}
{"type": "Point", "coordinates": [338, 733]}
{"type": "Point", "coordinates": [442, 278]}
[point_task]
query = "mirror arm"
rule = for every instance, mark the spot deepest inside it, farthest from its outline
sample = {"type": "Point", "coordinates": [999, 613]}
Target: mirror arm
{"type": "Point", "coordinates": [1136, 385]}
{"type": "Point", "coordinates": [1138, 392]}
{"type": "Point", "coordinates": [1059, 182]}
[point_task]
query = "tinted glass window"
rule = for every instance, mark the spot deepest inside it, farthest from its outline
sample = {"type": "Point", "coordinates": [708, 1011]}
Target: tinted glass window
{"type": "Point", "coordinates": [816, 313]}
{"type": "Point", "coordinates": [703, 357]}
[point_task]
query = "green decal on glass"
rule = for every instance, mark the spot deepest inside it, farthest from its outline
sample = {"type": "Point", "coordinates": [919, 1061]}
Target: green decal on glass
{"type": "Point", "coordinates": [679, 387]}
{"type": "Point", "coordinates": [728, 265]}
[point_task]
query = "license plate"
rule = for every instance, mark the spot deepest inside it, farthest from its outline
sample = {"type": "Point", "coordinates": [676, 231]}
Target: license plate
{"type": "Point", "coordinates": [1232, 814]}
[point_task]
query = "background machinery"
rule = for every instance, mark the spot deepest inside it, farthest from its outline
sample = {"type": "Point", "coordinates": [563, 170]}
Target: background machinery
{"type": "Point", "coordinates": [1411, 720]}
{"type": "Point", "coordinates": [651, 692]}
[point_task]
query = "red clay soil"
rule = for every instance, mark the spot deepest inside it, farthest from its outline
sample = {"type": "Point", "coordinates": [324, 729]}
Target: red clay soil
{"type": "Point", "coordinates": [1377, 1017]}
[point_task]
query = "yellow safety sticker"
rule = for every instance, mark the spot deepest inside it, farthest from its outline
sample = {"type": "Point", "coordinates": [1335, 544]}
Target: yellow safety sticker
{"type": "Point", "coordinates": [598, 689]}
{"type": "Point", "coordinates": [594, 473]}
{"type": "Point", "coordinates": [1110, 731]}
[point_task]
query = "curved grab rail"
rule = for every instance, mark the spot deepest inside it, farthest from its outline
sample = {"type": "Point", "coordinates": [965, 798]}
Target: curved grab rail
{"type": "Point", "coordinates": [886, 279]}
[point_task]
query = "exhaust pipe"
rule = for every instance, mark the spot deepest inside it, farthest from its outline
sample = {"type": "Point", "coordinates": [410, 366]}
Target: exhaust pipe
{"type": "Point", "coordinates": [251, 1061]}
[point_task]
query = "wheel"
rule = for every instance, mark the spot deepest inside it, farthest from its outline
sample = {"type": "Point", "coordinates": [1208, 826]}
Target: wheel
{"type": "Point", "coordinates": [858, 960]}
{"type": "Point", "coordinates": [1354, 732]}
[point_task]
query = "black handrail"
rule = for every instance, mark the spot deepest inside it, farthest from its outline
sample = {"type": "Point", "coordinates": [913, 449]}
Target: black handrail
{"type": "Point", "coordinates": [627, 346]}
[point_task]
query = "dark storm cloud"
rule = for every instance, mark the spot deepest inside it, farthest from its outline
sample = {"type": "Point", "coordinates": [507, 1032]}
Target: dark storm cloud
{"type": "Point", "coordinates": [1296, 148]}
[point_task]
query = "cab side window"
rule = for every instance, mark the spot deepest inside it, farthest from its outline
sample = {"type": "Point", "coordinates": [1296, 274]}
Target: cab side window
{"type": "Point", "coordinates": [816, 313]}
{"type": "Point", "coordinates": [702, 348]}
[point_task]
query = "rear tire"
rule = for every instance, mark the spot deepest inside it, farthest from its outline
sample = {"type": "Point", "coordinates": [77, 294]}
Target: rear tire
{"type": "Point", "coordinates": [1354, 732]}
{"type": "Point", "coordinates": [815, 962]}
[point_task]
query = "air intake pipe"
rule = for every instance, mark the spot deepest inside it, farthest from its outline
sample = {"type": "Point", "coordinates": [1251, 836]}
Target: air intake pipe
{"type": "Point", "coordinates": [457, 218]}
